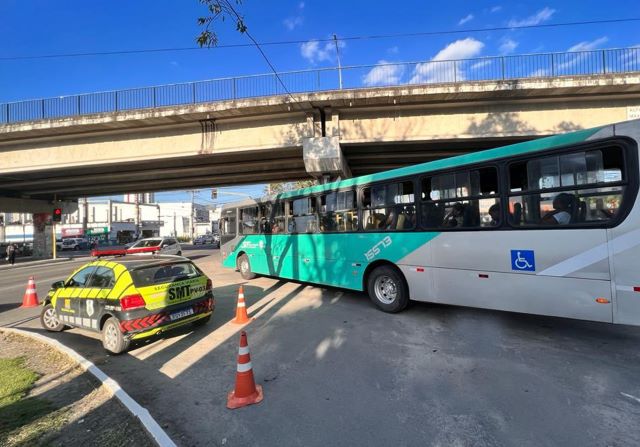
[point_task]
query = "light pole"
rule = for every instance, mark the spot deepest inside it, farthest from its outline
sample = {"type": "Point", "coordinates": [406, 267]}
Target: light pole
{"type": "Point", "coordinates": [335, 39]}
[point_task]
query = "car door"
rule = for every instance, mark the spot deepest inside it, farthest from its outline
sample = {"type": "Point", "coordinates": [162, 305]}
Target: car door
{"type": "Point", "coordinates": [68, 297]}
{"type": "Point", "coordinates": [94, 297]}
{"type": "Point", "coordinates": [173, 247]}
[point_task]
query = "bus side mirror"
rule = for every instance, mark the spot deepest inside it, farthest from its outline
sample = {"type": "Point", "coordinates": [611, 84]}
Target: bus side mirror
{"type": "Point", "coordinates": [57, 285]}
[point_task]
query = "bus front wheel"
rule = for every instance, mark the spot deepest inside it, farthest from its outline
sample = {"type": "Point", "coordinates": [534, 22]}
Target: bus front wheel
{"type": "Point", "coordinates": [244, 266]}
{"type": "Point", "coordinates": [387, 289]}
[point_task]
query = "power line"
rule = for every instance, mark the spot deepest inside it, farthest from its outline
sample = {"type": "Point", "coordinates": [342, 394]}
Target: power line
{"type": "Point", "coordinates": [273, 69]}
{"type": "Point", "coordinates": [298, 42]}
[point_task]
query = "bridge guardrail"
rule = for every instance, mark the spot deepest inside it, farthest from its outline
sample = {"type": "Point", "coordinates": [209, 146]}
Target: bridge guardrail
{"type": "Point", "coordinates": [494, 68]}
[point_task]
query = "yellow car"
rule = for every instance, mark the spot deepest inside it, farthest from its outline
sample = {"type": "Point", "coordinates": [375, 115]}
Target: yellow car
{"type": "Point", "coordinates": [129, 297]}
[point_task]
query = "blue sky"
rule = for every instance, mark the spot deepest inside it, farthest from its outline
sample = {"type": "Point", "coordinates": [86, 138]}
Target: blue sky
{"type": "Point", "coordinates": [40, 27]}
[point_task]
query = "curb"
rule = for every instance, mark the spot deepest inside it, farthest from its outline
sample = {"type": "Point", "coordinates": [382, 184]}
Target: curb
{"type": "Point", "coordinates": [143, 415]}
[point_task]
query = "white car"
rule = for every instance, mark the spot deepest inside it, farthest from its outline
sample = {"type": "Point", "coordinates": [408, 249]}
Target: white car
{"type": "Point", "coordinates": [166, 245]}
{"type": "Point", "coordinates": [74, 243]}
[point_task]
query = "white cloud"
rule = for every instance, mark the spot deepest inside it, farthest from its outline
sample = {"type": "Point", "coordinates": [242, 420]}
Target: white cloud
{"type": "Point", "coordinates": [539, 17]}
{"type": "Point", "coordinates": [314, 52]}
{"type": "Point", "coordinates": [508, 46]}
{"type": "Point", "coordinates": [589, 45]}
{"type": "Point", "coordinates": [480, 64]}
{"type": "Point", "coordinates": [383, 74]}
{"type": "Point", "coordinates": [465, 19]}
{"type": "Point", "coordinates": [496, 8]}
{"type": "Point", "coordinates": [441, 68]}
{"type": "Point", "coordinates": [292, 23]}
{"type": "Point", "coordinates": [296, 20]}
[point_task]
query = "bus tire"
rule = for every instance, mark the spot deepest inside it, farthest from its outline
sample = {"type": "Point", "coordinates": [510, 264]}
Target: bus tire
{"type": "Point", "coordinates": [244, 266]}
{"type": "Point", "coordinates": [388, 289]}
{"type": "Point", "coordinates": [113, 339]}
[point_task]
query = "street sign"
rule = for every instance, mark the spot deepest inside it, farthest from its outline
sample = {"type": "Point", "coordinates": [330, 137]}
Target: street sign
{"type": "Point", "coordinates": [97, 231]}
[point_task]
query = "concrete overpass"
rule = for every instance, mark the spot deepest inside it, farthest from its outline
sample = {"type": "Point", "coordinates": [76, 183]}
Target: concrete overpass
{"type": "Point", "coordinates": [250, 140]}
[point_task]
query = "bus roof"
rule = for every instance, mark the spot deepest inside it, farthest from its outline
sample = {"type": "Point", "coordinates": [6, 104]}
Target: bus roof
{"type": "Point", "coordinates": [511, 150]}
{"type": "Point", "coordinates": [450, 162]}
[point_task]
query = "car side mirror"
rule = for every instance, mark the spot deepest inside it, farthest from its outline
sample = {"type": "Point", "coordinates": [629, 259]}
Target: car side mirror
{"type": "Point", "coordinates": [57, 285]}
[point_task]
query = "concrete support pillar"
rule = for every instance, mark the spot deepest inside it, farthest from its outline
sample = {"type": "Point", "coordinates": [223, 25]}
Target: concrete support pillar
{"type": "Point", "coordinates": [42, 237]}
{"type": "Point", "coordinates": [323, 159]}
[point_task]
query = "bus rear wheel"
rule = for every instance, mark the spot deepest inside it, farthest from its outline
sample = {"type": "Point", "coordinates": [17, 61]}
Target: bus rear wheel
{"type": "Point", "coordinates": [244, 266]}
{"type": "Point", "coordinates": [387, 289]}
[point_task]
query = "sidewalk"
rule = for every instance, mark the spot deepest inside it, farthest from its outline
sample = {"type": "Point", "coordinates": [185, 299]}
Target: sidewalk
{"type": "Point", "coordinates": [29, 261]}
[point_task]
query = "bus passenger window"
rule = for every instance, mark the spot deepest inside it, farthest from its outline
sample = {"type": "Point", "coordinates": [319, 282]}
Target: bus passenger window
{"type": "Point", "coordinates": [389, 207]}
{"type": "Point", "coordinates": [464, 199]}
{"type": "Point", "coordinates": [277, 218]}
{"type": "Point", "coordinates": [595, 178]}
{"type": "Point", "coordinates": [249, 220]}
{"type": "Point", "coordinates": [338, 212]}
{"type": "Point", "coordinates": [304, 219]}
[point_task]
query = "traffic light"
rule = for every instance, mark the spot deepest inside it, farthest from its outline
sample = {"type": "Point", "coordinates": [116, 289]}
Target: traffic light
{"type": "Point", "coordinates": [57, 215]}
{"type": "Point", "coordinates": [214, 193]}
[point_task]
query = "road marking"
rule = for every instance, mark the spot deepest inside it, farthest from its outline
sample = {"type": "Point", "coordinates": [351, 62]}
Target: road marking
{"type": "Point", "coordinates": [150, 424]}
{"type": "Point", "coordinates": [190, 356]}
{"type": "Point", "coordinates": [631, 397]}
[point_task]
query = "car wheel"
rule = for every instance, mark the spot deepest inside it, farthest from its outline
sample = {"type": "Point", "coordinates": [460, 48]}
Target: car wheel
{"type": "Point", "coordinates": [76, 248]}
{"type": "Point", "coordinates": [113, 339]}
{"type": "Point", "coordinates": [244, 266]}
{"type": "Point", "coordinates": [387, 289]}
{"type": "Point", "coordinates": [202, 321]}
{"type": "Point", "coordinates": [179, 253]}
{"type": "Point", "coordinates": [49, 319]}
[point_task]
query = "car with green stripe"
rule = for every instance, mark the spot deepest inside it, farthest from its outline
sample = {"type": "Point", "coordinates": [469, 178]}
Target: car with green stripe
{"type": "Point", "coordinates": [131, 297]}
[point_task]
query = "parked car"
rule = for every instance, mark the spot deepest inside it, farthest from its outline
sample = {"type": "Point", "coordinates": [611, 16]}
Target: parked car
{"type": "Point", "coordinates": [131, 297]}
{"type": "Point", "coordinates": [75, 243]}
{"type": "Point", "coordinates": [166, 245]}
{"type": "Point", "coordinates": [203, 239]}
{"type": "Point", "coordinates": [209, 238]}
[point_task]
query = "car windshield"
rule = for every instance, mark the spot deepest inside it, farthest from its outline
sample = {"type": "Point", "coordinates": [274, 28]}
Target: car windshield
{"type": "Point", "coordinates": [147, 243]}
{"type": "Point", "coordinates": [161, 274]}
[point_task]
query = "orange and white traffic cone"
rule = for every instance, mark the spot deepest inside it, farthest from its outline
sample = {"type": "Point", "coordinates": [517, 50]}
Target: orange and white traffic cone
{"type": "Point", "coordinates": [246, 391]}
{"type": "Point", "coordinates": [30, 298]}
{"type": "Point", "coordinates": [241, 309]}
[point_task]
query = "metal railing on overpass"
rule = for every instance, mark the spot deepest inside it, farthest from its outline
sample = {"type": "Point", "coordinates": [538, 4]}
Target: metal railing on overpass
{"type": "Point", "coordinates": [498, 68]}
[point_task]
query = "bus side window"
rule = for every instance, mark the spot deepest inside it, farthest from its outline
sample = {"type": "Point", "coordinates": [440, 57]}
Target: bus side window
{"type": "Point", "coordinates": [304, 218]}
{"type": "Point", "coordinates": [463, 199]}
{"type": "Point", "coordinates": [338, 212]}
{"type": "Point", "coordinates": [567, 189]}
{"type": "Point", "coordinates": [389, 207]}
{"type": "Point", "coordinates": [249, 220]}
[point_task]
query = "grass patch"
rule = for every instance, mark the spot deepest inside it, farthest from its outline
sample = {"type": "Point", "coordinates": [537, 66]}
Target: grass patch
{"type": "Point", "coordinates": [15, 380]}
{"type": "Point", "coordinates": [15, 411]}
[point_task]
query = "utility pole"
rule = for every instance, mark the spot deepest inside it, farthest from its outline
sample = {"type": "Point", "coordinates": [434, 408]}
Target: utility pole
{"type": "Point", "coordinates": [137, 201]}
{"type": "Point", "coordinates": [335, 39]}
{"type": "Point", "coordinates": [193, 213]}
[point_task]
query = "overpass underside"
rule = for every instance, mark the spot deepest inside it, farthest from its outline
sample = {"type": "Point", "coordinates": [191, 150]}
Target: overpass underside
{"type": "Point", "coordinates": [285, 164]}
{"type": "Point", "coordinates": [261, 140]}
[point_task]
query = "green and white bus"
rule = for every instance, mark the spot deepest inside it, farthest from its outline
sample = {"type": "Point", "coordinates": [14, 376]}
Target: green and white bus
{"type": "Point", "coordinates": [549, 226]}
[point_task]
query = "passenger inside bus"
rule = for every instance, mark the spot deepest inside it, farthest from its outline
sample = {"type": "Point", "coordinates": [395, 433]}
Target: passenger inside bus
{"type": "Point", "coordinates": [455, 216]}
{"type": "Point", "coordinates": [563, 208]}
{"type": "Point", "coordinates": [494, 213]}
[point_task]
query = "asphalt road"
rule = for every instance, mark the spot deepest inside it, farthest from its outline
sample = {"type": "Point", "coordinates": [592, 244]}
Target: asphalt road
{"type": "Point", "coordinates": [336, 371]}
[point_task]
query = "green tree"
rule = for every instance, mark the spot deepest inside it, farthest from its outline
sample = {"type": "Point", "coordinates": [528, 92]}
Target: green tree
{"type": "Point", "coordinates": [218, 11]}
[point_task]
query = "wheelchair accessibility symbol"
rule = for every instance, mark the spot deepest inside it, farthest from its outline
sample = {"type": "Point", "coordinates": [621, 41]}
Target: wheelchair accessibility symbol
{"type": "Point", "coordinates": [523, 260]}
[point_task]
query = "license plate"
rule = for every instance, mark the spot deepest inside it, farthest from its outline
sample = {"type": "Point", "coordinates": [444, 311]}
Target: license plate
{"type": "Point", "coordinates": [181, 314]}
